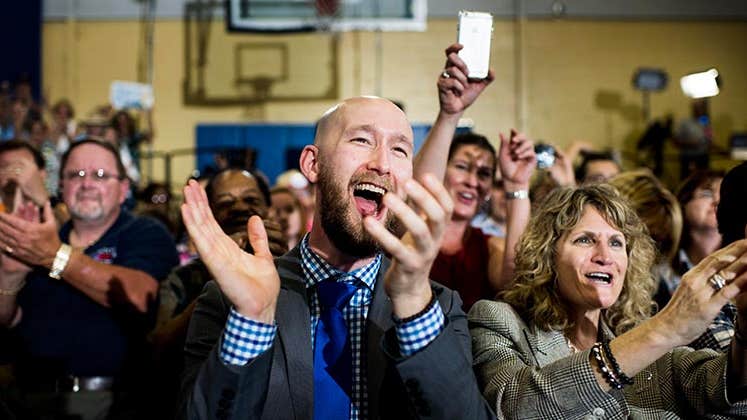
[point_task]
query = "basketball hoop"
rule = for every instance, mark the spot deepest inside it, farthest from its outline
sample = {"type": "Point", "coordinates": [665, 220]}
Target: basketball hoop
{"type": "Point", "coordinates": [326, 13]}
{"type": "Point", "coordinates": [326, 8]}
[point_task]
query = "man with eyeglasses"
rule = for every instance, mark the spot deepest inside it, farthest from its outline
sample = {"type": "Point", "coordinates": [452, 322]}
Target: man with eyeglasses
{"type": "Point", "coordinates": [81, 315]}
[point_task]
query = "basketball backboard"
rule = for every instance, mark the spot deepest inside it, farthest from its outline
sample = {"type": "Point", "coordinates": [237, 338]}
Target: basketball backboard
{"type": "Point", "coordinates": [326, 15]}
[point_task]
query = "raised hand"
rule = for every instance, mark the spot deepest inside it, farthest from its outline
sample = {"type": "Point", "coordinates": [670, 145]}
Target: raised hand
{"type": "Point", "coordinates": [517, 160]}
{"type": "Point", "coordinates": [27, 238]}
{"type": "Point", "coordinates": [250, 282]}
{"type": "Point", "coordinates": [456, 92]}
{"type": "Point", "coordinates": [12, 270]}
{"type": "Point", "coordinates": [406, 282]}
{"type": "Point", "coordinates": [696, 301]}
{"type": "Point", "coordinates": [562, 170]}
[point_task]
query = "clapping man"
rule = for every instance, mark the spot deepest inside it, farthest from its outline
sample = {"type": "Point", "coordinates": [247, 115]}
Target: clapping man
{"type": "Point", "coordinates": [333, 329]}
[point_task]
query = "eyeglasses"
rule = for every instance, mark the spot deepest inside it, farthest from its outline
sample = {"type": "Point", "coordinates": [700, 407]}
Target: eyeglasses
{"type": "Point", "coordinates": [159, 198]}
{"type": "Point", "coordinates": [98, 175]}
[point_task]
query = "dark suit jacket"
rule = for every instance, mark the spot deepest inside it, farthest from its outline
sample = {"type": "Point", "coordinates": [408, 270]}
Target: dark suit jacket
{"type": "Point", "coordinates": [437, 382]}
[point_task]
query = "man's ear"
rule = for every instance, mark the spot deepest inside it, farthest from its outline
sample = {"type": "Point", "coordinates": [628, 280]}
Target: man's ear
{"type": "Point", "coordinates": [124, 188]}
{"type": "Point", "coordinates": [309, 163]}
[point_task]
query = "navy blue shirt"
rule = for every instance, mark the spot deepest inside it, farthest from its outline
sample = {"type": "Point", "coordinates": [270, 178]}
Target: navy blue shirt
{"type": "Point", "coordinates": [63, 331]}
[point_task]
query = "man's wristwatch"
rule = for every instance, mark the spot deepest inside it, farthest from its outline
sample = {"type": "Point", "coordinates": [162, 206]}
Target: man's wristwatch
{"type": "Point", "coordinates": [60, 261]}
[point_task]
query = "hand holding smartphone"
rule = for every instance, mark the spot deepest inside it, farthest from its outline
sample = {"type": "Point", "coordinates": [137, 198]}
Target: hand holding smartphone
{"type": "Point", "coordinates": [475, 32]}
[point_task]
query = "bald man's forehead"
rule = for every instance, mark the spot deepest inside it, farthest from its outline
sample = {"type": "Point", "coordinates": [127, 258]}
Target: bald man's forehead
{"type": "Point", "coordinates": [366, 114]}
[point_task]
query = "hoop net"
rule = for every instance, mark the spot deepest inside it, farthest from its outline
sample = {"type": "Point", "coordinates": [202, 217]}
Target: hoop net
{"type": "Point", "coordinates": [326, 13]}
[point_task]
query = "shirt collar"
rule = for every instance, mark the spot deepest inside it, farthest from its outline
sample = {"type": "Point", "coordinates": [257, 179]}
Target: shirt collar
{"type": "Point", "coordinates": [316, 269]}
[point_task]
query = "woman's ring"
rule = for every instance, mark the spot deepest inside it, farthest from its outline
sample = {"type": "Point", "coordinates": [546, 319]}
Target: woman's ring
{"type": "Point", "coordinates": [717, 281]}
{"type": "Point", "coordinates": [445, 74]}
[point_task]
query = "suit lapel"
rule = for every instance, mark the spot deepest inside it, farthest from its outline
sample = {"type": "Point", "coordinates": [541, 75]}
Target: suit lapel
{"type": "Point", "coordinates": [379, 320]}
{"type": "Point", "coordinates": [292, 316]}
{"type": "Point", "coordinates": [549, 346]}
{"type": "Point", "coordinates": [546, 346]}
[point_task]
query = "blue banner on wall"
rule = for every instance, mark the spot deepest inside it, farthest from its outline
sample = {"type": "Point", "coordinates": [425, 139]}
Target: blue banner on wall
{"type": "Point", "coordinates": [277, 146]}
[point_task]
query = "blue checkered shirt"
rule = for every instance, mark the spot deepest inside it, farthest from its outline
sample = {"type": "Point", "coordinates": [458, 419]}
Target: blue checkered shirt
{"type": "Point", "coordinates": [253, 338]}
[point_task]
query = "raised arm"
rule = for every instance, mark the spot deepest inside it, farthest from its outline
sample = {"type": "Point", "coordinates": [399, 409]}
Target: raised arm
{"type": "Point", "coordinates": [455, 94]}
{"type": "Point", "coordinates": [251, 282]}
{"type": "Point", "coordinates": [512, 380]}
{"type": "Point", "coordinates": [12, 271]}
{"type": "Point", "coordinates": [692, 308]}
{"type": "Point", "coordinates": [517, 161]}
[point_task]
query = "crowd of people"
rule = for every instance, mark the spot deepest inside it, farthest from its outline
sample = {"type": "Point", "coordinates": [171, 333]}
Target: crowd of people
{"type": "Point", "coordinates": [458, 282]}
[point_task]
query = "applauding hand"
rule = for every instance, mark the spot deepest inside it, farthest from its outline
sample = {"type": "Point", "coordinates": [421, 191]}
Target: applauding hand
{"type": "Point", "coordinates": [407, 282]}
{"type": "Point", "coordinates": [250, 282]}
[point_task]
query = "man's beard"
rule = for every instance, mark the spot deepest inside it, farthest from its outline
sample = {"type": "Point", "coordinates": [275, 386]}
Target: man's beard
{"type": "Point", "coordinates": [87, 212]}
{"type": "Point", "coordinates": [339, 224]}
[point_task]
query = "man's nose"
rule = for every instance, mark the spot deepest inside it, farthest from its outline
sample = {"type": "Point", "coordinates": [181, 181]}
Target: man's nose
{"type": "Point", "coordinates": [88, 182]}
{"type": "Point", "coordinates": [379, 161]}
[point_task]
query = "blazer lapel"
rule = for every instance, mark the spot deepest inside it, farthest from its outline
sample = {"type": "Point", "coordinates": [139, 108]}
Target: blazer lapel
{"type": "Point", "coordinates": [379, 320]}
{"type": "Point", "coordinates": [292, 317]}
{"type": "Point", "coordinates": [546, 346]}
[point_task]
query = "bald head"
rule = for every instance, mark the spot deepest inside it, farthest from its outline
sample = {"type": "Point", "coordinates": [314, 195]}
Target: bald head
{"type": "Point", "coordinates": [361, 144]}
{"type": "Point", "coordinates": [365, 110]}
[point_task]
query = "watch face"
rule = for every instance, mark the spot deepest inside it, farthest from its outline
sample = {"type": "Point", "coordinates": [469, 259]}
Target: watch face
{"type": "Point", "coordinates": [521, 194]}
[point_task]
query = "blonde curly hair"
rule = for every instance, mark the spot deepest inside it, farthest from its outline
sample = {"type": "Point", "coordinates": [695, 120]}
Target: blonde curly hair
{"type": "Point", "coordinates": [534, 293]}
{"type": "Point", "coordinates": [657, 207]}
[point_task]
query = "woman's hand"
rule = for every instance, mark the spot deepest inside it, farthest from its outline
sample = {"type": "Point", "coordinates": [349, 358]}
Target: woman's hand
{"type": "Point", "coordinates": [456, 91]}
{"type": "Point", "coordinates": [517, 160]}
{"type": "Point", "coordinates": [697, 301]}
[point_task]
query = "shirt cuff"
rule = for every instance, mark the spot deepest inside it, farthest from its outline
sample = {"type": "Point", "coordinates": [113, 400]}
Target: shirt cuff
{"type": "Point", "coordinates": [414, 333]}
{"type": "Point", "coordinates": [244, 339]}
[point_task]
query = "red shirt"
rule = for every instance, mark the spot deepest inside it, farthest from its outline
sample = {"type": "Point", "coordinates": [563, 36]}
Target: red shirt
{"type": "Point", "coordinates": [467, 270]}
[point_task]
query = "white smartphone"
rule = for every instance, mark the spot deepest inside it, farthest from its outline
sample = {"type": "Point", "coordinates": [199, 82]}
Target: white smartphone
{"type": "Point", "coordinates": [475, 32]}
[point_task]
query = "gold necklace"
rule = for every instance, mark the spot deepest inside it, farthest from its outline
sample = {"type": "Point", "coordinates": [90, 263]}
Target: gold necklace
{"type": "Point", "coordinates": [571, 347]}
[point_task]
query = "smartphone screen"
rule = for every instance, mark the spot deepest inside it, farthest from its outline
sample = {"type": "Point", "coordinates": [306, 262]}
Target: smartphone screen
{"type": "Point", "coordinates": [475, 33]}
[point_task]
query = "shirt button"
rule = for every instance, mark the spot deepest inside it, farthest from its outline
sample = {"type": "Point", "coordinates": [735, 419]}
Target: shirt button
{"type": "Point", "coordinates": [599, 412]}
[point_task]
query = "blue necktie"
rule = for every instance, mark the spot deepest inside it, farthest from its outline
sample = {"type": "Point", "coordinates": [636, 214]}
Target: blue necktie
{"type": "Point", "coordinates": [332, 355]}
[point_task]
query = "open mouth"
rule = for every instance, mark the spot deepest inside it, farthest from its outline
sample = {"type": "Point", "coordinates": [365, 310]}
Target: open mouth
{"type": "Point", "coordinates": [368, 198]}
{"type": "Point", "coordinates": [466, 197]}
{"type": "Point", "coordinates": [603, 278]}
